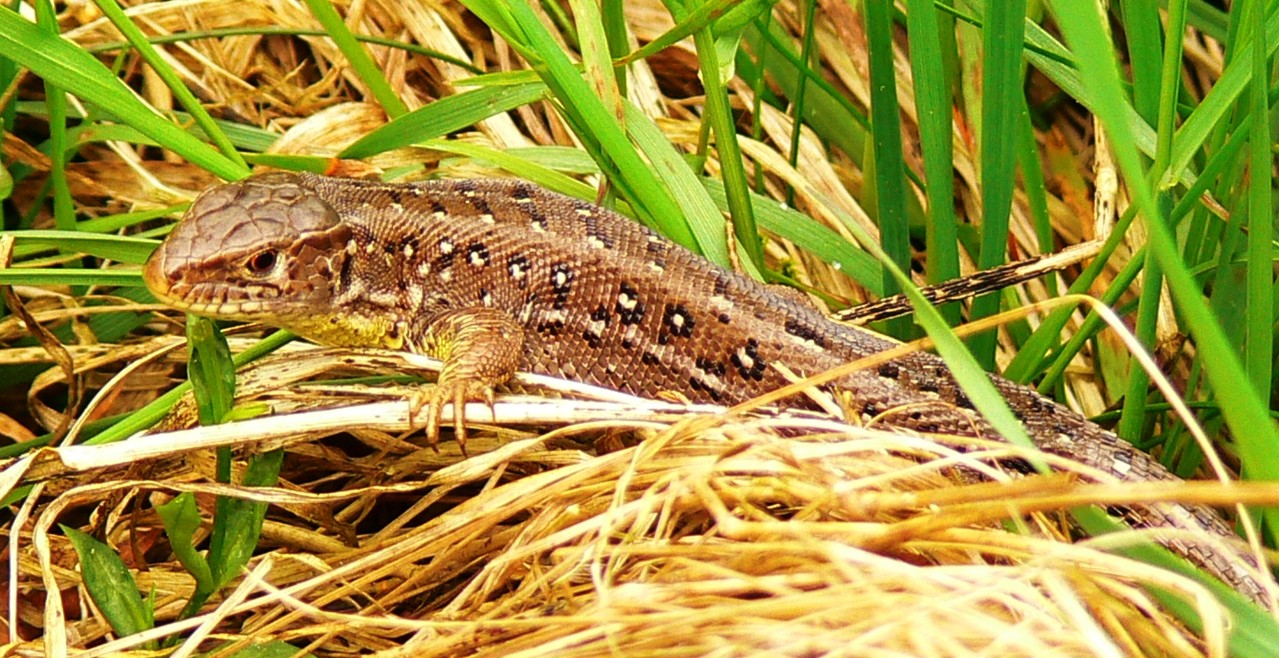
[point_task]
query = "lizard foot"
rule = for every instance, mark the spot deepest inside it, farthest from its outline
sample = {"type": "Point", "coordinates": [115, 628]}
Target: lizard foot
{"type": "Point", "coordinates": [456, 392]}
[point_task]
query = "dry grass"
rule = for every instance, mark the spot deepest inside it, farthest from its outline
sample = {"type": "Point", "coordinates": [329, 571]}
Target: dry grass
{"type": "Point", "coordinates": [710, 536]}
{"type": "Point", "coordinates": [631, 528]}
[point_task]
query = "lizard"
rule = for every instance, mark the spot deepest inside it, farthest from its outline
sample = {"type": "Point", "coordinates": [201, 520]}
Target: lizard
{"type": "Point", "coordinates": [494, 276]}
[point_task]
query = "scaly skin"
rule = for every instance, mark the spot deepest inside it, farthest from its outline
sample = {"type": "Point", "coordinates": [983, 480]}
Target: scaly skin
{"type": "Point", "coordinates": [498, 275]}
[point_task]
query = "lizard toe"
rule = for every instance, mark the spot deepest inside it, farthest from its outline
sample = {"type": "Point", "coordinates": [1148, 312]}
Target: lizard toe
{"type": "Point", "coordinates": [456, 392]}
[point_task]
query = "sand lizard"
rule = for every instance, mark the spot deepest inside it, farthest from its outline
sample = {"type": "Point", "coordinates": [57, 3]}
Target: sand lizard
{"type": "Point", "coordinates": [494, 276]}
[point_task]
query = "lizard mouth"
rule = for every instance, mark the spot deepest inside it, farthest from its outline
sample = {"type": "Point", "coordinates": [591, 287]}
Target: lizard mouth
{"type": "Point", "coordinates": [168, 285]}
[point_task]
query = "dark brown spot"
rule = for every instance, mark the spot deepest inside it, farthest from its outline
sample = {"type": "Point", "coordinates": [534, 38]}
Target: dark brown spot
{"type": "Point", "coordinates": [677, 321]}
{"type": "Point", "coordinates": [889, 371]}
{"type": "Point", "coordinates": [721, 283]}
{"type": "Point", "coordinates": [477, 255]}
{"type": "Point", "coordinates": [521, 191]}
{"type": "Point", "coordinates": [552, 328]}
{"type": "Point", "coordinates": [562, 276]}
{"type": "Point", "coordinates": [710, 366]}
{"type": "Point", "coordinates": [805, 331]}
{"type": "Point", "coordinates": [748, 362]}
{"type": "Point", "coordinates": [629, 308]}
{"type": "Point", "coordinates": [517, 267]}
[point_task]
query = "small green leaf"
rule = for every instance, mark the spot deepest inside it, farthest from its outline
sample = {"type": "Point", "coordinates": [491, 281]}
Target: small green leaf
{"type": "Point", "coordinates": [181, 519]}
{"type": "Point", "coordinates": [238, 523]}
{"type": "Point", "coordinates": [211, 371]}
{"type": "Point", "coordinates": [110, 585]}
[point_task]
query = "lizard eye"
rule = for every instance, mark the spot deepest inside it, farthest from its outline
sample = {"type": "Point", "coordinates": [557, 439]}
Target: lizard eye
{"type": "Point", "coordinates": [262, 263]}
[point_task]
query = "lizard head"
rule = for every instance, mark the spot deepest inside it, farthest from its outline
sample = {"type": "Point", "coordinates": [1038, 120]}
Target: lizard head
{"type": "Point", "coordinates": [266, 248]}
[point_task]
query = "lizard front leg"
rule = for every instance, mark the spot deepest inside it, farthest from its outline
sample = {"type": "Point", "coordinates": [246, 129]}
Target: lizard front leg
{"type": "Point", "coordinates": [480, 348]}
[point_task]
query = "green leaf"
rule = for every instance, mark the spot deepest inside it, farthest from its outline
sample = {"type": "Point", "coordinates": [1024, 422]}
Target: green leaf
{"type": "Point", "coordinates": [444, 116]}
{"type": "Point", "coordinates": [210, 369]}
{"type": "Point", "coordinates": [110, 585]}
{"type": "Point", "coordinates": [24, 276]}
{"type": "Point", "coordinates": [237, 523]}
{"type": "Point", "coordinates": [115, 247]}
{"type": "Point", "coordinates": [181, 519]}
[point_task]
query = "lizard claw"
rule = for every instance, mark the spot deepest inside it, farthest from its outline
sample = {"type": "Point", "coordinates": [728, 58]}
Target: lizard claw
{"type": "Point", "coordinates": [456, 392]}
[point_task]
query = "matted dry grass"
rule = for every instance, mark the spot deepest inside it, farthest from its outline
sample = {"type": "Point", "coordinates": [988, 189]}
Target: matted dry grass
{"type": "Point", "coordinates": [638, 528]}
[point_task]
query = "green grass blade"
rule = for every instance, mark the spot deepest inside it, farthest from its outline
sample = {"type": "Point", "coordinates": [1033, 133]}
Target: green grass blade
{"type": "Point", "coordinates": [1259, 348]}
{"type": "Point", "coordinates": [65, 65]}
{"type": "Point", "coordinates": [889, 196]}
{"type": "Point", "coordinates": [932, 99]}
{"type": "Point", "coordinates": [1246, 414]}
{"type": "Point", "coordinates": [1218, 104]}
{"type": "Point", "coordinates": [444, 116]}
{"type": "Point", "coordinates": [114, 13]}
{"type": "Point", "coordinates": [719, 114]}
{"type": "Point", "coordinates": [1003, 33]}
{"type": "Point", "coordinates": [361, 62]}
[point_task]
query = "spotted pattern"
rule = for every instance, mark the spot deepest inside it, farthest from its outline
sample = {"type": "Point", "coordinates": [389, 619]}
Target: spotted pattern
{"type": "Point", "coordinates": [518, 266]}
{"type": "Point", "coordinates": [748, 362]}
{"type": "Point", "coordinates": [710, 366]}
{"type": "Point", "coordinates": [562, 276]}
{"type": "Point", "coordinates": [477, 255]}
{"type": "Point", "coordinates": [630, 308]}
{"type": "Point", "coordinates": [447, 253]}
{"type": "Point", "coordinates": [676, 322]}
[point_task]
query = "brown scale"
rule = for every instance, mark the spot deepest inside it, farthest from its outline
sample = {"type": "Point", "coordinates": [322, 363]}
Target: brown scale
{"type": "Point", "coordinates": [492, 276]}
